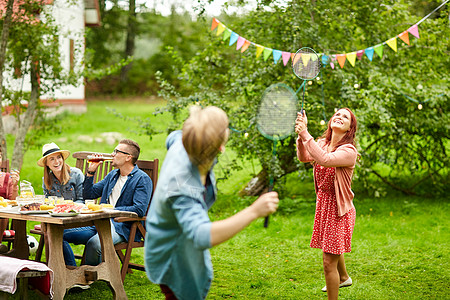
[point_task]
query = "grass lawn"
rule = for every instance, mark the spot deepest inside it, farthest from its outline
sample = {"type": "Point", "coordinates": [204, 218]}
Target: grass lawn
{"type": "Point", "coordinates": [400, 246]}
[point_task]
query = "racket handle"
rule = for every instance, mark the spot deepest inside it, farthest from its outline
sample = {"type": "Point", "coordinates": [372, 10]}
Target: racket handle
{"type": "Point", "coordinates": [266, 219]}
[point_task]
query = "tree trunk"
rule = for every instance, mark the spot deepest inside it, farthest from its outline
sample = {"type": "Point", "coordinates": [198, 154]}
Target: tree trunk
{"type": "Point", "coordinates": [131, 37]}
{"type": "Point", "coordinates": [30, 114]}
{"type": "Point", "coordinates": [260, 183]}
{"type": "Point", "coordinates": [4, 41]}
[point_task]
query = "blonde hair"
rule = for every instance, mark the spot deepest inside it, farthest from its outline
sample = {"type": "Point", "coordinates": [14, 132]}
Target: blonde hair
{"type": "Point", "coordinates": [204, 132]}
{"type": "Point", "coordinates": [65, 174]}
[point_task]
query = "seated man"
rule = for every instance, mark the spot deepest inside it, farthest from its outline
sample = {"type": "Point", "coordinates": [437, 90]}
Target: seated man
{"type": "Point", "coordinates": [127, 188]}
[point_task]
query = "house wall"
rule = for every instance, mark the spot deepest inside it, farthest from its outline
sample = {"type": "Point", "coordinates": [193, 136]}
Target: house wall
{"type": "Point", "coordinates": [70, 20]}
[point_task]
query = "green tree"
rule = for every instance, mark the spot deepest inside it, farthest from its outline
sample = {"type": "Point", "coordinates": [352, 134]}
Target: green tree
{"type": "Point", "coordinates": [412, 143]}
{"type": "Point", "coordinates": [32, 51]}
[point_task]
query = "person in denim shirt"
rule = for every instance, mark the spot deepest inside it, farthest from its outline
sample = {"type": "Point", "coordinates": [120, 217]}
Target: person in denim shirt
{"type": "Point", "coordinates": [179, 231]}
{"type": "Point", "coordinates": [60, 179]}
{"type": "Point", "coordinates": [127, 188]}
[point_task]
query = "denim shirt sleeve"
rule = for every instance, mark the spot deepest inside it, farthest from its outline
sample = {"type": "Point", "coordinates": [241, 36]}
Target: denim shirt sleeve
{"type": "Point", "coordinates": [91, 190]}
{"type": "Point", "coordinates": [194, 221]}
{"type": "Point", "coordinates": [140, 196]}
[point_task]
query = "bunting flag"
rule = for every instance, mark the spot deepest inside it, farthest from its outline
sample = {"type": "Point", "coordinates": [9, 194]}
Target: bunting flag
{"type": "Point", "coordinates": [351, 57]}
{"type": "Point", "coordinates": [243, 44]}
{"type": "Point", "coordinates": [259, 50]}
{"type": "Point", "coordinates": [226, 34]}
{"type": "Point", "coordinates": [266, 53]}
{"type": "Point", "coordinates": [220, 29]}
{"type": "Point", "coordinates": [369, 53]}
{"type": "Point", "coordinates": [276, 56]}
{"type": "Point", "coordinates": [286, 56]}
{"type": "Point", "coordinates": [404, 36]}
{"type": "Point", "coordinates": [392, 43]}
{"type": "Point", "coordinates": [379, 50]}
{"type": "Point", "coordinates": [341, 60]}
{"type": "Point", "coordinates": [240, 42]}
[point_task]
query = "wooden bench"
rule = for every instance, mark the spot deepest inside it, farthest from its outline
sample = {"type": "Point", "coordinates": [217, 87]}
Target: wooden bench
{"type": "Point", "coordinates": [22, 285]}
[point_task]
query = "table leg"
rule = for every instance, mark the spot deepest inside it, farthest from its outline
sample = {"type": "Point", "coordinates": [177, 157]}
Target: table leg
{"type": "Point", "coordinates": [110, 259]}
{"type": "Point", "coordinates": [55, 258]}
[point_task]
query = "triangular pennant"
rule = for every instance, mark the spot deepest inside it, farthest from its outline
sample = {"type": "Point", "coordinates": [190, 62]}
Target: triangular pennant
{"type": "Point", "coordinates": [332, 65]}
{"type": "Point", "coordinates": [369, 53]}
{"type": "Point", "coordinates": [240, 42]}
{"type": "Point", "coordinates": [286, 56]}
{"type": "Point", "coordinates": [233, 38]}
{"type": "Point", "coordinates": [276, 56]}
{"type": "Point", "coordinates": [226, 34]}
{"type": "Point", "coordinates": [306, 58]}
{"type": "Point", "coordinates": [266, 53]}
{"type": "Point", "coordinates": [404, 36]}
{"type": "Point", "coordinates": [359, 54]}
{"type": "Point", "coordinates": [220, 29]}
{"type": "Point", "coordinates": [259, 50]}
{"type": "Point", "coordinates": [341, 59]}
{"type": "Point", "coordinates": [392, 43]}
{"type": "Point", "coordinates": [245, 46]}
{"type": "Point", "coordinates": [324, 59]}
{"type": "Point", "coordinates": [379, 50]}
{"type": "Point", "coordinates": [414, 30]}
{"type": "Point", "coordinates": [214, 24]}
{"type": "Point", "coordinates": [295, 58]}
{"type": "Point", "coordinates": [314, 57]}
{"type": "Point", "coordinates": [351, 57]}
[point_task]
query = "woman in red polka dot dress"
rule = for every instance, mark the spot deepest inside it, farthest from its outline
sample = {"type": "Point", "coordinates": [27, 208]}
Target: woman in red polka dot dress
{"type": "Point", "coordinates": [334, 157]}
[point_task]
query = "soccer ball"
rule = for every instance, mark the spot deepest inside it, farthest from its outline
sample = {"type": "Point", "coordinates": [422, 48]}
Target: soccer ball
{"type": "Point", "coordinates": [32, 244]}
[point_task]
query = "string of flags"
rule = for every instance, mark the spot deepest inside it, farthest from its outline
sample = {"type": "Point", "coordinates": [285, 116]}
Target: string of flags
{"type": "Point", "coordinates": [243, 44]}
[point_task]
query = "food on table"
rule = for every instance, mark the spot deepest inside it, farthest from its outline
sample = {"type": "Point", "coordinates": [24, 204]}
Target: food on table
{"type": "Point", "coordinates": [12, 202]}
{"type": "Point", "coordinates": [47, 207]}
{"type": "Point", "coordinates": [94, 207]}
{"type": "Point", "coordinates": [31, 207]}
{"type": "Point", "coordinates": [67, 208]}
{"type": "Point", "coordinates": [107, 206]}
{"type": "Point", "coordinates": [3, 203]}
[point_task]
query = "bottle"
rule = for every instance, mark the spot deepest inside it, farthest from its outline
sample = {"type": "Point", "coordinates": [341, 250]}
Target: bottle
{"type": "Point", "coordinates": [95, 158]}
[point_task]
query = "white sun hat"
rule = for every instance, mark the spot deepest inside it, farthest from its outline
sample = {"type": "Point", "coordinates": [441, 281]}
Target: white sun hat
{"type": "Point", "coordinates": [49, 149]}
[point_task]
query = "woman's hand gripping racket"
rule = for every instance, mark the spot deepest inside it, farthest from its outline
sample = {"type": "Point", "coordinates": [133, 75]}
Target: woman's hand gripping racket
{"type": "Point", "coordinates": [306, 66]}
{"type": "Point", "coordinates": [276, 118]}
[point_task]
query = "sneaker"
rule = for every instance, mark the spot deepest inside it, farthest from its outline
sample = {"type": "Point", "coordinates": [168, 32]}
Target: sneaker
{"type": "Point", "coordinates": [348, 282]}
{"type": "Point", "coordinates": [78, 287]}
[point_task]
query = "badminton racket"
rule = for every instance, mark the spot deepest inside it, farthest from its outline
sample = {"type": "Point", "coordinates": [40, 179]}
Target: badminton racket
{"type": "Point", "coordinates": [276, 118]}
{"type": "Point", "coordinates": [306, 66]}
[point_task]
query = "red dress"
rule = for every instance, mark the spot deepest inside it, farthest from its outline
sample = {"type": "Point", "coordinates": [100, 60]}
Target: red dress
{"type": "Point", "coordinates": [331, 233]}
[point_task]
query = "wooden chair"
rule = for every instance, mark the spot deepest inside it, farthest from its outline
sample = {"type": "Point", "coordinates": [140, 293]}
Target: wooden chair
{"type": "Point", "coordinates": [148, 166]}
{"type": "Point", "coordinates": [4, 167]}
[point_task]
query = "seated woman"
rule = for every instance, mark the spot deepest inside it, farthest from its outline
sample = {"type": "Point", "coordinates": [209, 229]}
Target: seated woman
{"type": "Point", "coordinates": [60, 179]}
{"type": "Point", "coordinates": [8, 190]}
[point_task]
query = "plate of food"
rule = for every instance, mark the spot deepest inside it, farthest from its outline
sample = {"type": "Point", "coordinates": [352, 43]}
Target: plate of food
{"type": "Point", "coordinates": [107, 206]}
{"type": "Point", "coordinates": [32, 208]}
{"type": "Point", "coordinates": [90, 211]}
{"type": "Point", "coordinates": [63, 214]}
{"type": "Point", "coordinates": [66, 210]}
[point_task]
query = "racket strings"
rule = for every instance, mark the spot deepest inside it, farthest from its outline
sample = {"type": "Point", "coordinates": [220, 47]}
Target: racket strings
{"type": "Point", "coordinates": [306, 64]}
{"type": "Point", "coordinates": [277, 113]}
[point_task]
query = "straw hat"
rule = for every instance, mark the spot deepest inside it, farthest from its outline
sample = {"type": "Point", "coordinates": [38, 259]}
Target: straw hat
{"type": "Point", "coordinates": [51, 148]}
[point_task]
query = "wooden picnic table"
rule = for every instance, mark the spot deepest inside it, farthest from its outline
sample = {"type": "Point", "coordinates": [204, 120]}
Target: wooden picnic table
{"type": "Point", "coordinates": [53, 227]}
